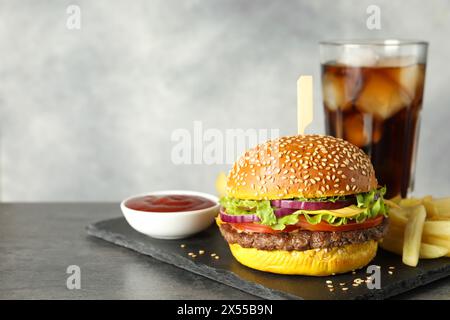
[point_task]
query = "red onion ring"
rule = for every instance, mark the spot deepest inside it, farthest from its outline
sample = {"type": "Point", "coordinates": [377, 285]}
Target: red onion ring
{"type": "Point", "coordinates": [281, 212]}
{"type": "Point", "coordinates": [245, 218]}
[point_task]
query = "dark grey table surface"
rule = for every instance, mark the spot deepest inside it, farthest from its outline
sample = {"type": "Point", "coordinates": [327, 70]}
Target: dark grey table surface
{"type": "Point", "coordinates": [39, 241]}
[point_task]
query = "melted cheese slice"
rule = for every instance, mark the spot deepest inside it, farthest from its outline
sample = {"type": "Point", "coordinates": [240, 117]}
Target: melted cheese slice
{"type": "Point", "coordinates": [346, 212]}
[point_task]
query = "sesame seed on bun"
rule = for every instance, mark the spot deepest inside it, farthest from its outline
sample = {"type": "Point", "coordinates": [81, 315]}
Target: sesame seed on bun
{"type": "Point", "coordinates": [308, 166]}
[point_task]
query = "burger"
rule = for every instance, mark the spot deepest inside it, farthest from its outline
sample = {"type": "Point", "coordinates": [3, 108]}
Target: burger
{"type": "Point", "coordinates": [304, 204]}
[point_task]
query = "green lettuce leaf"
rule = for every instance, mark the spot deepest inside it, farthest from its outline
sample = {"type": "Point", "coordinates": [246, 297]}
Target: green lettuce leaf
{"type": "Point", "coordinates": [285, 221]}
{"type": "Point", "coordinates": [265, 212]}
{"type": "Point", "coordinates": [373, 207]}
{"type": "Point", "coordinates": [372, 202]}
{"type": "Point", "coordinates": [262, 209]}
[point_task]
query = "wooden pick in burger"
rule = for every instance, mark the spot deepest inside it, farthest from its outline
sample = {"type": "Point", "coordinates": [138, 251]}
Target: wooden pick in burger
{"type": "Point", "coordinates": [304, 103]}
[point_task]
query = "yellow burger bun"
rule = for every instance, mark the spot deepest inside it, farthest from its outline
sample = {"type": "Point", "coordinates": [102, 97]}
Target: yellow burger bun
{"type": "Point", "coordinates": [309, 166]}
{"type": "Point", "coordinates": [314, 262]}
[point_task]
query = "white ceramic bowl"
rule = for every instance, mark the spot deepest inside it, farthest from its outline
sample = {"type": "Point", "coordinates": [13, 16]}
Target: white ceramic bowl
{"type": "Point", "coordinates": [171, 225]}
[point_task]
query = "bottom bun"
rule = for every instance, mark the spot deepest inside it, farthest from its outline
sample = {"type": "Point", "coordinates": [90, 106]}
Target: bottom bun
{"type": "Point", "coordinates": [314, 262]}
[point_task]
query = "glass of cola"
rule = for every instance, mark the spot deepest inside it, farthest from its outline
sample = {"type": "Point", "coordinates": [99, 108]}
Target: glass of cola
{"type": "Point", "coordinates": [372, 93]}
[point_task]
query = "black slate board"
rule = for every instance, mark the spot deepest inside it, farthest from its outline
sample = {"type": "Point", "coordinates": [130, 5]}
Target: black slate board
{"type": "Point", "coordinates": [228, 271]}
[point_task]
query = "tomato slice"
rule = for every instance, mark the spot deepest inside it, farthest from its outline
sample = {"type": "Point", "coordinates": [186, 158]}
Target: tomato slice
{"type": "Point", "coordinates": [324, 226]}
{"type": "Point", "coordinates": [305, 225]}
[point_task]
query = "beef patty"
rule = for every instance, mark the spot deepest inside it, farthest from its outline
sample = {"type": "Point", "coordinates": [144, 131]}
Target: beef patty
{"type": "Point", "coordinates": [301, 240]}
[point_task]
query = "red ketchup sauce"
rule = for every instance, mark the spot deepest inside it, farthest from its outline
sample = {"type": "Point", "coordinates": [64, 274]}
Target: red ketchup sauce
{"type": "Point", "coordinates": [169, 203]}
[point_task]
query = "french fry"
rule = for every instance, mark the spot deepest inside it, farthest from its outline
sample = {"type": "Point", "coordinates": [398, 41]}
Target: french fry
{"type": "Point", "coordinates": [392, 244]}
{"type": "Point", "coordinates": [419, 228]}
{"type": "Point", "coordinates": [441, 242]}
{"type": "Point", "coordinates": [413, 236]}
{"type": "Point", "coordinates": [437, 228]}
{"type": "Point", "coordinates": [426, 201]}
{"type": "Point", "coordinates": [439, 218]}
{"type": "Point", "coordinates": [221, 184]}
{"type": "Point", "coordinates": [427, 251]}
{"type": "Point", "coordinates": [438, 207]}
{"type": "Point", "coordinates": [430, 251]}
{"type": "Point", "coordinates": [429, 206]}
{"type": "Point", "coordinates": [392, 204]}
{"type": "Point", "coordinates": [396, 232]}
{"type": "Point", "coordinates": [398, 217]}
{"type": "Point", "coordinates": [410, 202]}
{"type": "Point", "coordinates": [396, 199]}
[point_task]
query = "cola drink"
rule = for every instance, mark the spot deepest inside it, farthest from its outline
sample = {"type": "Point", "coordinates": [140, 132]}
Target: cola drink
{"type": "Point", "coordinates": [377, 108]}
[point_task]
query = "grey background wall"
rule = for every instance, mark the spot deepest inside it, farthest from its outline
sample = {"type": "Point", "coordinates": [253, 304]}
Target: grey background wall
{"type": "Point", "coordinates": [88, 114]}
